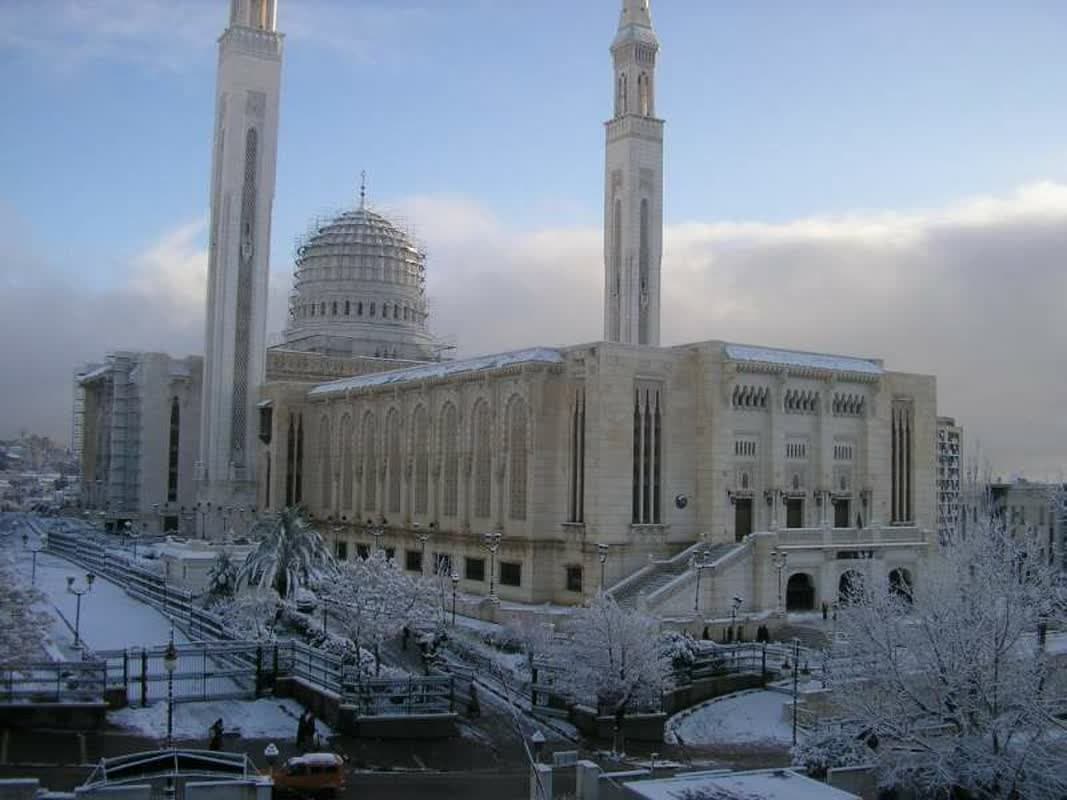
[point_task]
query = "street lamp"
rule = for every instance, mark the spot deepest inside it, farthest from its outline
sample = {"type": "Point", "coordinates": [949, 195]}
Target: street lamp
{"type": "Point", "coordinates": [779, 559]}
{"type": "Point", "coordinates": [735, 606]}
{"type": "Point", "coordinates": [602, 554]}
{"type": "Point", "coordinates": [491, 542]}
{"type": "Point", "coordinates": [78, 592]}
{"type": "Point", "coordinates": [455, 585]}
{"type": "Point", "coordinates": [203, 509]}
{"type": "Point", "coordinates": [423, 537]}
{"type": "Point", "coordinates": [377, 531]}
{"type": "Point", "coordinates": [700, 564]}
{"type": "Point", "coordinates": [170, 662]}
{"type": "Point", "coordinates": [35, 550]}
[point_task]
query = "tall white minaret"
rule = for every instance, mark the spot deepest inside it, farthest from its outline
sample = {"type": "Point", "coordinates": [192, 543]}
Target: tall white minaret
{"type": "Point", "coordinates": [242, 195]}
{"type": "Point", "coordinates": [633, 188]}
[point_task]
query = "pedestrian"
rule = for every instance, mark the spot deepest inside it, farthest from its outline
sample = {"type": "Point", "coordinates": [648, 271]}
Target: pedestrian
{"type": "Point", "coordinates": [301, 732]}
{"type": "Point", "coordinates": [215, 739]}
{"type": "Point", "coordinates": [406, 635]}
{"type": "Point", "coordinates": [311, 738]}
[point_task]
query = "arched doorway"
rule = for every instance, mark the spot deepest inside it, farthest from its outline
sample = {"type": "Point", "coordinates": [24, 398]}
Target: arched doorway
{"type": "Point", "coordinates": [900, 584]}
{"type": "Point", "coordinates": [850, 587]}
{"type": "Point", "coordinates": [800, 593]}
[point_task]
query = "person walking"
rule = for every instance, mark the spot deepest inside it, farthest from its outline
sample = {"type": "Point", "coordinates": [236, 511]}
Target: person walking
{"type": "Point", "coordinates": [215, 739]}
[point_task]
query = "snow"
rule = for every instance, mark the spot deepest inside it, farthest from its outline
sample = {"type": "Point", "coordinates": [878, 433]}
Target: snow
{"type": "Point", "coordinates": [791, 358]}
{"type": "Point", "coordinates": [771, 784]}
{"type": "Point", "coordinates": [104, 606]}
{"type": "Point", "coordinates": [251, 719]}
{"type": "Point", "coordinates": [533, 355]}
{"type": "Point", "coordinates": [752, 717]}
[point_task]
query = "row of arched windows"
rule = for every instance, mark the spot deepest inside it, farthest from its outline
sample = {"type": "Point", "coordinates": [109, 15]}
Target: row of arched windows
{"type": "Point", "coordinates": [369, 471]}
{"type": "Point", "coordinates": [356, 308]}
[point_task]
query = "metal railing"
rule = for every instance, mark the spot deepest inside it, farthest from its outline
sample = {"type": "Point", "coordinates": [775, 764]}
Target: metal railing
{"type": "Point", "coordinates": [52, 682]}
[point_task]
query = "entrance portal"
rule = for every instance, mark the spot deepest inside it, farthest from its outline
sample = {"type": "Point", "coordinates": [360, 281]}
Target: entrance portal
{"type": "Point", "coordinates": [794, 512]}
{"type": "Point", "coordinates": [742, 518]}
{"type": "Point", "coordinates": [850, 587]}
{"type": "Point", "coordinates": [800, 593]}
{"type": "Point", "coordinates": [841, 508]}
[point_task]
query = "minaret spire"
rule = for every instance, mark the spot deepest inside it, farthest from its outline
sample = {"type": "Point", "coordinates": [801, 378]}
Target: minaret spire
{"type": "Point", "coordinates": [633, 188]}
{"type": "Point", "coordinates": [363, 189]}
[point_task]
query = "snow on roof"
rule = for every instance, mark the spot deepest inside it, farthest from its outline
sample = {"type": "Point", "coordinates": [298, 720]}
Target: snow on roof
{"type": "Point", "coordinates": [321, 759]}
{"type": "Point", "coordinates": [791, 358]}
{"type": "Point", "coordinates": [444, 369]}
{"type": "Point", "coordinates": [93, 374]}
{"type": "Point", "coordinates": [771, 784]}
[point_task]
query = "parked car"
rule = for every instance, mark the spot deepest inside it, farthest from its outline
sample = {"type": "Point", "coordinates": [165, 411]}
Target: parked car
{"type": "Point", "coordinates": [320, 774]}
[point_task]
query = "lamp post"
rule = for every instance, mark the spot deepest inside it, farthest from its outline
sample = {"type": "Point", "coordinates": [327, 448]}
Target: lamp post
{"type": "Point", "coordinates": [170, 662]}
{"type": "Point", "coordinates": [455, 585]}
{"type": "Point", "coordinates": [203, 509]}
{"type": "Point", "coordinates": [377, 531]}
{"type": "Point", "coordinates": [423, 537]}
{"type": "Point", "coordinates": [602, 554]}
{"type": "Point", "coordinates": [700, 564]}
{"type": "Point", "coordinates": [735, 606]}
{"type": "Point", "coordinates": [779, 559]}
{"type": "Point", "coordinates": [35, 550]}
{"type": "Point", "coordinates": [78, 592]}
{"type": "Point", "coordinates": [491, 542]}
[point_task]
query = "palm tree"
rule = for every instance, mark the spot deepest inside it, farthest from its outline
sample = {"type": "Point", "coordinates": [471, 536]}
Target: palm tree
{"type": "Point", "coordinates": [291, 555]}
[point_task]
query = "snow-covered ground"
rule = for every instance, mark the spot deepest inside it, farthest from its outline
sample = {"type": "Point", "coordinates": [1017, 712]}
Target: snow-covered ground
{"type": "Point", "coordinates": [251, 719]}
{"type": "Point", "coordinates": [746, 718]}
{"type": "Point", "coordinates": [110, 618]}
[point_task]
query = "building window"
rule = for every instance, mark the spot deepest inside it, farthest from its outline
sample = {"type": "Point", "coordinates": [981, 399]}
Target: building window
{"type": "Point", "coordinates": [517, 443]}
{"type": "Point", "coordinates": [325, 472]}
{"type": "Point", "coordinates": [347, 463]}
{"type": "Point", "coordinates": [902, 475]}
{"type": "Point", "coordinates": [175, 446]}
{"type": "Point", "coordinates": [348, 308]}
{"type": "Point", "coordinates": [474, 569]}
{"type": "Point", "coordinates": [574, 578]}
{"type": "Point", "coordinates": [341, 550]}
{"type": "Point", "coordinates": [370, 462]}
{"type": "Point", "coordinates": [421, 437]}
{"type": "Point", "coordinates": [510, 573]}
{"type": "Point", "coordinates": [372, 309]}
{"type": "Point", "coordinates": [322, 309]}
{"type": "Point", "coordinates": [335, 308]}
{"type": "Point", "coordinates": [390, 553]}
{"type": "Point", "coordinates": [359, 309]}
{"type": "Point", "coordinates": [392, 432]}
{"type": "Point", "coordinates": [450, 457]}
{"type": "Point", "coordinates": [413, 560]}
{"type": "Point", "coordinates": [576, 496]}
{"type": "Point", "coordinates": [363, 551]}
{"type": "Point", "coordinates": [483, 460]}
{"type": "Point", "coordinates": [647, 456]}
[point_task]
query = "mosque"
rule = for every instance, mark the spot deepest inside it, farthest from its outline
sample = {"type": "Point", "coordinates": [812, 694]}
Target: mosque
{"type": "Point", "coordinates": [686, 478]}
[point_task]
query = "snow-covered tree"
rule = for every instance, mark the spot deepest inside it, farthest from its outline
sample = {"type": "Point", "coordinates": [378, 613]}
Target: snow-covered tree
{"type": "Point", "coordinates": [614, 659]}
{"type": "Point", "coordinates": [251, 614]}
{"type": "Point", "coordinates": [290, 555]}
{"type": "Point", "coordinates": [222, 577]}
{"type": "Point", "coordinates": [950, 675]}
{"type": "Point", "coordinates": [22, 628]}
{"type": "Point", "coordinates": [373, 599]}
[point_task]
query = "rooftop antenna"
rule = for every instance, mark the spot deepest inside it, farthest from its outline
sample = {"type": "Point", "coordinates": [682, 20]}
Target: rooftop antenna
{"type": "Point", "coordinates": [363, 189]}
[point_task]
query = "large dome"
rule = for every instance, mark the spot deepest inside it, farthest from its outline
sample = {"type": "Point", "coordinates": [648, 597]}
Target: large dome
{"type": "Point", "coordinates": [359, 289]}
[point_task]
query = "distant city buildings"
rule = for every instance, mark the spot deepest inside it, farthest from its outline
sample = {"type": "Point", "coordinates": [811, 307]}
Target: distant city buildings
{"type": "Point", "coordinates": [1027, 505]}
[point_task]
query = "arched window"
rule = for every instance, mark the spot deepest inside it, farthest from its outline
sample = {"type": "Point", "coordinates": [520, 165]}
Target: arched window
{"type": "Point", "coordinates": [450, 461]}
{"type": "Point", "coordinates": [850, 587]}
{"type": "Point", "coordinates": [370, 462]}
{"type": "Point", "coordinates": [334, 310]}
{"type": "Point", "coordinates": [518, 422]}
{"type": "Point", "coordinates": [325, 472]}
{"type": "Point", "coordinates": [396, 465]}
{"type": "Point", "coordinates": [421, 443]}
{"type": "Point", "coordinates": [347, 463]}
{"type": "Point", "coordinates": [359, 309]}
{"type": "Point", "coordinates": [900, 584]}
{"type": "Point", "coordinates": [644, 88]}
{"type": "Point", "coordinates": [322, 309]}
{"type": "Point", "coordinates": [348, 308]}
{"type": "Point", "coordinates": [744, 481]}
{"type": "Point", "coordinates": [175, 447]}
{"type": "Point", "coordinates": [396, 311]}
{"type": "Point", "coordinates": [482, 447]}
{"type": "Point", "coordinates": [372, 309]}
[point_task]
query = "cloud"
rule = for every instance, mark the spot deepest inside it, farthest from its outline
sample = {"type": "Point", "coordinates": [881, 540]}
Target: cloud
{"type": "Point", "coordinates": [64, 35]}
{"type": "Point", "coordinates": [972, 293]}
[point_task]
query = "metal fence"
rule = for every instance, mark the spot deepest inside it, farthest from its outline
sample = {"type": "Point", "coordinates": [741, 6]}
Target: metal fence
{"type": "Point", "coordinates": [52, 682]}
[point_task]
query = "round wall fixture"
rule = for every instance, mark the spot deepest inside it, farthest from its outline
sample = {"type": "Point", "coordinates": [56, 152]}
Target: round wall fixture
{"type": "Point", "coordinates": [681, 501]}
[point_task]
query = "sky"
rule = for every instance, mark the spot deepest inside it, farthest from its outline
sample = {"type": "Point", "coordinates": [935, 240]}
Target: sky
{"type": "Point", "coordinates": [879, 179]}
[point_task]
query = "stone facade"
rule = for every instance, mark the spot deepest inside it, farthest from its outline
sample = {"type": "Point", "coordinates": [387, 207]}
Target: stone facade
{"type": "Point", "coordinates": [1029, 505]}
{"type": "Point", "coordinates": [140, 430]}
{"type": "Point", "coordinates": [646, 450]}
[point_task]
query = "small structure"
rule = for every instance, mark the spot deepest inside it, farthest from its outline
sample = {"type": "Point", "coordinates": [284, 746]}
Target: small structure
{"type": "Point", "coordinates": [764, 784]}
{"type": "Point", "coordinates": [178, 774]}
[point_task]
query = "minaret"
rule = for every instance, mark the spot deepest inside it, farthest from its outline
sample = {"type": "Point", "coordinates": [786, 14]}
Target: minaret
{"type": "Point", "coordinates": [242, 195]}
{"type": "Point", "coordinates": [633, 188]}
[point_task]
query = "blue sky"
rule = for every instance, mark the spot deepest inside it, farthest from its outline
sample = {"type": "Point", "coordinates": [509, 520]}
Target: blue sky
{"type": "Point", "coordinates": [884, 179]}
{"type": "Point", "coordinates": [776, 110]}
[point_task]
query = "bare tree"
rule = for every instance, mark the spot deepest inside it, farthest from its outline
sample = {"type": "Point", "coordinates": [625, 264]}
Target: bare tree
{"type": "Point", "coordinates": [950, 674]}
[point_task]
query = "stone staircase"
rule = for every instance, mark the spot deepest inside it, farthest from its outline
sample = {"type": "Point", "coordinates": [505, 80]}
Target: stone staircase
{"type": "Point", "coordinates": [659, 573]}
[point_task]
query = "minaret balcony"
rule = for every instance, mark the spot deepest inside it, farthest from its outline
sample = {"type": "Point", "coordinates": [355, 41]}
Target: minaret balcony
{"type": "Point", "coordinates": [634, 125]}
{"type": "Point", "coordinates": [252, 42]}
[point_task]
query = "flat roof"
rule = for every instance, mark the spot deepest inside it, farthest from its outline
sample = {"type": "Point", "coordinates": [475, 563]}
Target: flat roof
{"type": "Point", "coordinates": [795, 358]}
{"type": "Point", "coordinates": [768, 784]}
